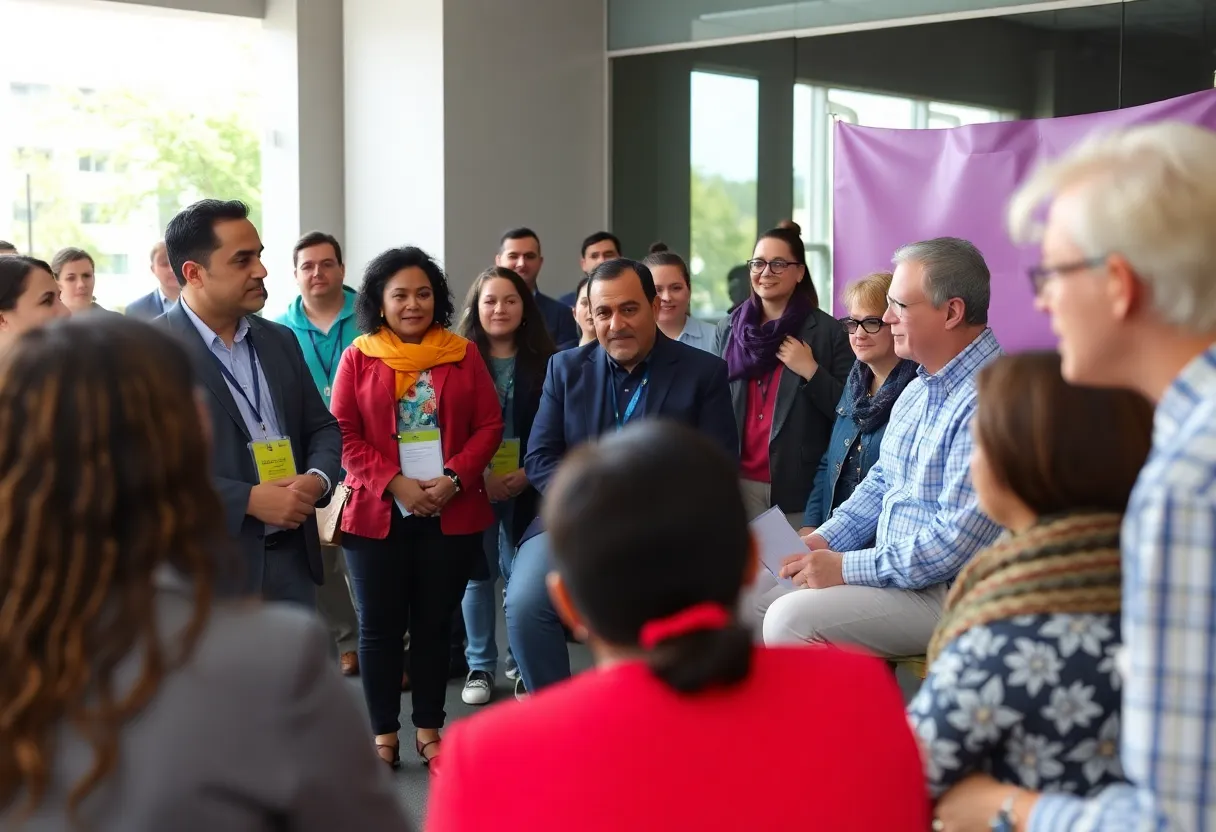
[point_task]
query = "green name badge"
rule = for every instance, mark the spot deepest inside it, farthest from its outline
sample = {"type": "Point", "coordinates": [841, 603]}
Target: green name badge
{"type": "Point", "coordinates": [506, 458]}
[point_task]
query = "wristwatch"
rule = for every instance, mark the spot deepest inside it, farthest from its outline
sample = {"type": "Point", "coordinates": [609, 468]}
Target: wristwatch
{"type": "Point", "coordinates": [454, 477]}
{"type": "Point", "coordinates": [1005, 820]}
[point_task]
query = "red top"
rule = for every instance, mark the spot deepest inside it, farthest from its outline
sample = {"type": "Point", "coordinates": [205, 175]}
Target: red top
{"type": "Point", "coordinates": [814, 738]}
{"type": "Point", "coordinates": [758, 427]}
{"type": "Point", "coordinates": [470, 425]}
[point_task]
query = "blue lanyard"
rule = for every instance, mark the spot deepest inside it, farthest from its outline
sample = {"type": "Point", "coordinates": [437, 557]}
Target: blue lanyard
{"type": "Point", "coordinates": [333, 353]}
{"type": "Point", "coordinates": [256, 403]}
{"type": "Point", "coordinates": [633, 402]}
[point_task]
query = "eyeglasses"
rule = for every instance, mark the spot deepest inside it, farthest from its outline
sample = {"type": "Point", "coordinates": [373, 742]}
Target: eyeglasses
{"type": "Point", "coordinates": [774, 266]}
{"type": "Point", "coordinates": [899, 307]}
{"type": "Point", "coordinates": [1040, 275]}
{"type": "Point", "coordinates": [870, 325]}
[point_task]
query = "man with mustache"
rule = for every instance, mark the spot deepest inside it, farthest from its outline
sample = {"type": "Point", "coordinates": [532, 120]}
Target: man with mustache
{"type": "Point", "coordinates": [631, 371]}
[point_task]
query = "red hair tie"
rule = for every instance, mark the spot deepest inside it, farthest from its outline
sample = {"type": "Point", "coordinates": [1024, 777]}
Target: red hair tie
{"type": "Point", "coordinates": [703, 616]}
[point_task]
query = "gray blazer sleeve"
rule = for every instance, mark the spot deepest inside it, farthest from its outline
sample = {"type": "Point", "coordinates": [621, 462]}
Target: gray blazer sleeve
{"type": "Point", "coordinates": [336, 780]}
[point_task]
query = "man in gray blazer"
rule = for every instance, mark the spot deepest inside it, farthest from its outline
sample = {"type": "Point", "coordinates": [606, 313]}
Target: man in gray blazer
{"type": "Point", "coordinates": [277, 448]}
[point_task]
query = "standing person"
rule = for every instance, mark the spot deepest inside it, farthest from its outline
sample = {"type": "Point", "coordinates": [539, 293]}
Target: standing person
{"type": "Point", "coordinates": [323, 320]}
{"type": "Point", "coordinates": [596, 248]}
{"type": "Point", "coordinates": [1126, 276]}
{"type": "Point", "coordinates": [788, 361]}
{"type": "Point", "coordinates": [161, 299]}
{"type": "Point", "coordinates": [76, 275]}
{"type": "Point", "coordinates": [875, 383]}
{"type": "Point", "coordinates": [879, 567]}
{"type": "Point", "coordinates": [277, 448]}
{"type": "Point", "coordinates": [502, 319]}
{"type": "Point", "coordinates": [420, 423]}
{"type": "Point", "coordinates": [674, 285]}
{"type": "Point", "coordinates": [582, 314]}
{"type": "Point", "coordinates": [651, 547]}
{"type": "Point", "coordinates": [633, 371]}
{"type": "Point", "coordinates": [133, 698]}
{"type": "Point", "coordinates": [29, 297]}
{"type": "Point", "coordinates": [519, 251]}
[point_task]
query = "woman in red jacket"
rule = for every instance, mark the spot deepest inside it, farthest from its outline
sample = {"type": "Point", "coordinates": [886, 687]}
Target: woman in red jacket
{"type": "Point", "coordinates": [651, 547]}
{"type": "Point", "coordinates": [420, 422]}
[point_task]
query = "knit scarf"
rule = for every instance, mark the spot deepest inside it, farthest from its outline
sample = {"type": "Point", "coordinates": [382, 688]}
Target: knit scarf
{"type": "Point", "coordinates": [409, 360]}
{"type": "Point", "coordinates": [1066, 564]}
{"type": "Point", "coordinates": [872, 412]}
{"type": "Point", "coordinates": [751, 349]}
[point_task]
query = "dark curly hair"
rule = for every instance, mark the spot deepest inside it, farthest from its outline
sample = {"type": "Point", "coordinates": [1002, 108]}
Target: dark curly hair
{"type": "Point", "coordinates": [370, 302]}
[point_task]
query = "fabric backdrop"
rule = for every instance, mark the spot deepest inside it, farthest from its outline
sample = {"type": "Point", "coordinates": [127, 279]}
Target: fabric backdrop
{"type": "Point", "coordinates": [897, 186]}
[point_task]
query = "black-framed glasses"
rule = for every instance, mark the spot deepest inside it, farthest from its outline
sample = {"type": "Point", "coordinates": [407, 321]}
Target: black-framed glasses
{"type": "Point", "coordinates": [1040, 275]}
{"type": "Point", "coordinates": [774, 266]}
{"type": "Point", "coordinates": [870, 325]}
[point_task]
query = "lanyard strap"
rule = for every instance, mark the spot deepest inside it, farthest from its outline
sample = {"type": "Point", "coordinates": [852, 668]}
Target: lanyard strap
{"type": "Point", "coordinates": [633, 402]}
{"type": "Point", "coordinates": [333, 353]}
{"type": "Point", "coordinates": [255, 404]}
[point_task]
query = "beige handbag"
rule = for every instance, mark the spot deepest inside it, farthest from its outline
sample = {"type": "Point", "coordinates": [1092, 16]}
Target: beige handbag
{"type": "Point", "coordinates": [329, 519]}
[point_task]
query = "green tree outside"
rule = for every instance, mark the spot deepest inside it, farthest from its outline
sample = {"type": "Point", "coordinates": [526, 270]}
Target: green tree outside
{"type": "Point", "coordinates": [722, 233]}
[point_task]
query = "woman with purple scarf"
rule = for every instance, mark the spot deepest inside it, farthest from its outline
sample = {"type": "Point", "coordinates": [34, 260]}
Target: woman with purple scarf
{"type": "Point", "coordinates": [787, 362]}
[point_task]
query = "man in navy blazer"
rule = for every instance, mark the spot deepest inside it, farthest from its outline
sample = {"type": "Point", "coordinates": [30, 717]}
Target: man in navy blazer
{"type": "Point", "coordinates": [164, 296]}
{"type": "Point", "coordinates": [632, 371]}
{"type": "Point", "coordinates": [519, 251]}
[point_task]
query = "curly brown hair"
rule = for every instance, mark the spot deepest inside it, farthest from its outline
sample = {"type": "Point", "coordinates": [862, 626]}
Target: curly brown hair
{"type": "Point", "coordinates": [104, 480]}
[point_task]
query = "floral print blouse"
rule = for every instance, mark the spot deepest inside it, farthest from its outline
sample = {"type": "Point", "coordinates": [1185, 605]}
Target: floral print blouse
{"type": "Point", "coordinates": [417, 409]}
{"type": "Point", "coordinates": [1032, 700]}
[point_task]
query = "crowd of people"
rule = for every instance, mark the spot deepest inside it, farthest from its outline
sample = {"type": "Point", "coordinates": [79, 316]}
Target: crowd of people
{"type": "Point", "coordinates": [375, 464]}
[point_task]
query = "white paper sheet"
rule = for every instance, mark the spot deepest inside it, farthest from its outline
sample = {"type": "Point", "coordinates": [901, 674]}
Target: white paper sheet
{"type": "Point", "coordinates": [776, 540]}
{"type": "Point", "coordinates": [421, 458]}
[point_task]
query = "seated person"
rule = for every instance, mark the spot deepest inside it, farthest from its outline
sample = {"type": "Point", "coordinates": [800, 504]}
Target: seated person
{"type": "Point", "coordinates": [637, 743]}
{"type": "Point", "coordinates": [631, 372]}
{"type": "Point", "coordinates": [877, 572]}
{"type": "Point", "coordinates": [875, 383]}
{"type": "Point", "coordinates": [1022, 682]}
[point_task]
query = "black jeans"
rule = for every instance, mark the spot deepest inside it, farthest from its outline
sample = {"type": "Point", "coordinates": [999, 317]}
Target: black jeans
{"type": "Point", "coordinates": [412, 579]}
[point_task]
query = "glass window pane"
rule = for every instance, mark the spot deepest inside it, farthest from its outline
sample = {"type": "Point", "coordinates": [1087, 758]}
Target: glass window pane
{"type": "Point", "coordinates": [722, 200]}
{"type": "Point", "coordinates": [99, 152]}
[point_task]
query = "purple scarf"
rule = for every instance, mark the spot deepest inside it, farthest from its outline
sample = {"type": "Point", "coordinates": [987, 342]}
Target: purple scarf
{"type": "Point", "coordinates": [751, 348]}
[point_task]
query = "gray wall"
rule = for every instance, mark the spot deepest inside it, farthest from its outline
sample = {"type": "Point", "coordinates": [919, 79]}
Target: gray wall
{"type": "Point", "coordinates": [525, 111]}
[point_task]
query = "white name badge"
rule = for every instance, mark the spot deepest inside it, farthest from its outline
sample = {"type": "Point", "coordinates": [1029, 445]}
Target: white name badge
{"type": "Point", "coordinates": [421, 454]}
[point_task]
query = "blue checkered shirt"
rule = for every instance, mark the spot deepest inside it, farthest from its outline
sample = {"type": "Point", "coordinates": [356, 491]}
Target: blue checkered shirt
{"type": "Point", "coordinates": [917, 505]}
{"type": "Point", "coordinates": [1169, 630]}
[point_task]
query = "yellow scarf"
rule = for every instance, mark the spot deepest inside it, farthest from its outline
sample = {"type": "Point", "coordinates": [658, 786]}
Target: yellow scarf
{"type": "Point", "coordinates": [408, 360]}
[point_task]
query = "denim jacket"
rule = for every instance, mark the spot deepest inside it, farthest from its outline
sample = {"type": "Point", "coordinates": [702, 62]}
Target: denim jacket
{"type": "Point", "coordinates": [819, 506]}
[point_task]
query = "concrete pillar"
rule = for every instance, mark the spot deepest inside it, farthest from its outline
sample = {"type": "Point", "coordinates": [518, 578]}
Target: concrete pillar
{"type": "Point", "coordinates": [303, 175]}
{"type": "Point", "coordinates": [467, 117]}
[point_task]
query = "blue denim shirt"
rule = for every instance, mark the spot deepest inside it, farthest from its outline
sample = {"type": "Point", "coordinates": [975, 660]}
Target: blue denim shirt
{"type": "Point", "coordinates": [821, 503]}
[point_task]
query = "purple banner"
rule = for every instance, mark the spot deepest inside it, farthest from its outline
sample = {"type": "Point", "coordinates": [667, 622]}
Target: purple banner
{"type": "Point", "coordinates": [897, 186]}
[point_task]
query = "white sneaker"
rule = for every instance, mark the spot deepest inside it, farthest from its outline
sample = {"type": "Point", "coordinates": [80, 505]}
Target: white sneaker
{"type": "Point", "coordinates": [521, 692]}
{"type": "Point", "coordinates": [478, 688]}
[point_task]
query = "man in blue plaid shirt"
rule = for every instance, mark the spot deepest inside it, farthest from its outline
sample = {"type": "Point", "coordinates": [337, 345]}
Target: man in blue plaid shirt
{"type": "Point", "coordinates": [1128, 256]}
{"type": "Point", "coordinates": [879, 567]}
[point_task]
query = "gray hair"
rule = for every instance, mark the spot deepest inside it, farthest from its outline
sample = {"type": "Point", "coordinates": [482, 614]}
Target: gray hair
{"type": "Point", "coordinates": [954, 268]}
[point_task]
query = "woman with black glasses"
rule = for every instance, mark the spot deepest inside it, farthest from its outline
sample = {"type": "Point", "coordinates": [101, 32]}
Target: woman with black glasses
{"type": "Point", "coordinates": [787, 361]}
{"type": "Point", "coordinates": [876, 381]}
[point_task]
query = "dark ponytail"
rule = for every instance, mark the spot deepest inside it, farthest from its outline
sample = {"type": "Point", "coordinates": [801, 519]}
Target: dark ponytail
{"type": "Point", "coordinates": [703, 659]}
{"type": "Point", "coordinates": [663, 573]}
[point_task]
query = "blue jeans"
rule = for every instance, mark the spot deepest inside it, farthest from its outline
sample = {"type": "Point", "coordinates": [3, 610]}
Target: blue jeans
{"type": "Point", "coordinates": [479, 604]}
{"type": "Point", "coordinates": [537, 637]}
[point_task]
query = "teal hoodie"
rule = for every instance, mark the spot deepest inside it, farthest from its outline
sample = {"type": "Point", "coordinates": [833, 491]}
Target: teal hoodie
{"type": "Point", "coordinates": [322, 350]}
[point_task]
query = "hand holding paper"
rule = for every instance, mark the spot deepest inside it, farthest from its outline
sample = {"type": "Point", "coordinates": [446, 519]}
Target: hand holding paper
{"type": "Point", "coordinates": [777, 542]}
